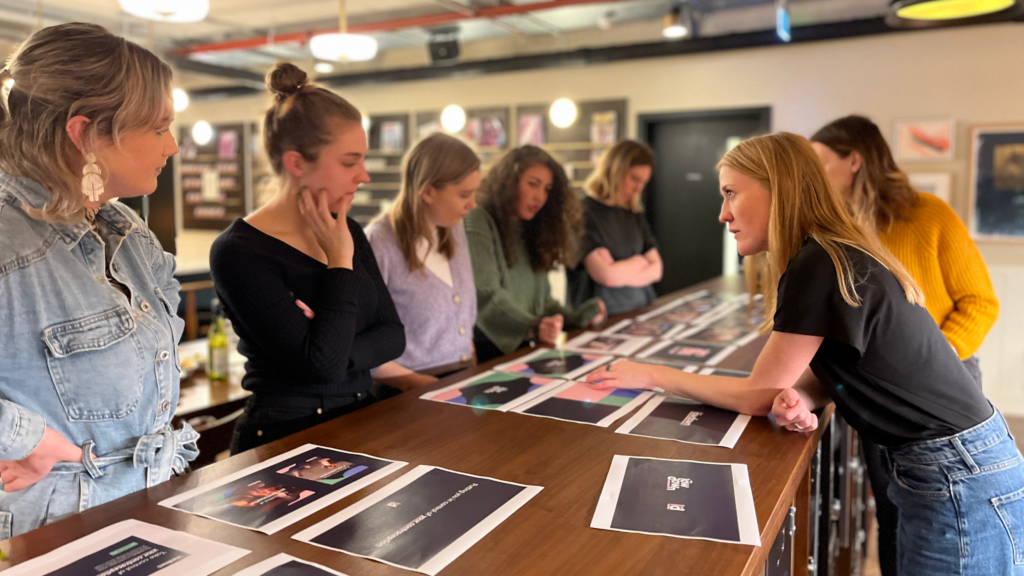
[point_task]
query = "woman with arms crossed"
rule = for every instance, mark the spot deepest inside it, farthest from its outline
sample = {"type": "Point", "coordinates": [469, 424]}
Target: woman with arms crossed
{"type": "Point", "coordinates": [849, 324]}
{"type": "Point", "coordinates": [620, 255]}
{"type": "Point", "coordinates": [88, 325]}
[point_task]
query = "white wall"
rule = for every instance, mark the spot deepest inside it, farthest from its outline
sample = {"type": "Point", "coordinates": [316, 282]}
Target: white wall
{"type": "Point", "coordinates": [964, 73]}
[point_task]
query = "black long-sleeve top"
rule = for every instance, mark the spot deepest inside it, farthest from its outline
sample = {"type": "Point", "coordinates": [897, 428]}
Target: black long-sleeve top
{"type": "Point", "coordinates": [355, 326]}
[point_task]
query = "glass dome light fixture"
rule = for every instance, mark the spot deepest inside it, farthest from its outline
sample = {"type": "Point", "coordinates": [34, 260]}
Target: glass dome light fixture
{"type": "Point", "coordinates": [202, 132]}
{"type": "Point", "coordinates": [341, 46]}
{"type": "Point", "coordinates": [453, 118]}
{"type": "Point", "coordinates": [176, 11]}
{"type": "Point", "coordinates": [563, 112]}
{"type": "Point", "coordinates": [936, 13]}
{"type": "Point", "coordinates": [180, 98]}
{"type": "Point", "coordinates": [673, 26]}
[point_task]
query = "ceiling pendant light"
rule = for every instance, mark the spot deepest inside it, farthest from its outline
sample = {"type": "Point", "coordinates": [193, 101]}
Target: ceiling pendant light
{"type": "Point", "coordinates": [177, 11]}
{"type": "Point", "coordinates": [935, 13]}
{"type": "Point", "coordinates": [563, 113]}
{"type": "Point", "coordinates": [342, 46]}
{"type": "Point", "coordinates": [673, 26]}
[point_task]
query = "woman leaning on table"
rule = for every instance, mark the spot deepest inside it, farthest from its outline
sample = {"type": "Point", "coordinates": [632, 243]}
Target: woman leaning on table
{"type": "Point", "coordinates": [298, 278]}
{"type": "Point", "coordinates": [931, 242]}
{"type": "Point", "coordinates": [421, 249]}
{"type": "Point", "coordinates": [849, 322]}
{"type": "Point", "coordinates": [527, 223]}
{"type": "Point", "coordinates": [88, 326]}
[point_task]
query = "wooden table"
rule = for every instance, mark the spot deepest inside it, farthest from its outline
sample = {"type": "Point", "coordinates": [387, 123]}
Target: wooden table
{"type": "Point", "coordinates": [549, 535]}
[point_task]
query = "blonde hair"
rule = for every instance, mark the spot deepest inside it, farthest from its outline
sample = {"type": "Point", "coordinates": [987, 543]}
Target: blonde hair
{"type": "Point", "coordinates": [75, 70]}
{"type": "Point", "coordinates": [804, 204]}
{"type": "Point", "coordinates": [301, 116]}
{"type": "Point", "coordinates": [606, 180]}
{"type": "Point", "coordinates": [436, 161]}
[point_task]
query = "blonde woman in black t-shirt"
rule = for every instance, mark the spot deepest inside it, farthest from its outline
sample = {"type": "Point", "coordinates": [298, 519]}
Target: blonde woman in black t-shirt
{"type": "Point", "coordinates": [849, 326]}
{"type": "Point", "coordinates": [620, 258]}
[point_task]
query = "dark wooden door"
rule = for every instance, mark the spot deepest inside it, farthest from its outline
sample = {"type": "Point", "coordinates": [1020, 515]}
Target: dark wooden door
{"type": "Point", "coordinates": [682, 201]}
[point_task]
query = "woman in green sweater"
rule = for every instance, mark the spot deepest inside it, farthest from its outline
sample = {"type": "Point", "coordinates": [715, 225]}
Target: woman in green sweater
{"type": "Point", "coordinates": [528, 222]}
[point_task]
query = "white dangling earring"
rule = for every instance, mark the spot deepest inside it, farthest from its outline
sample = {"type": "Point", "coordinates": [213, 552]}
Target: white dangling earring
{"type": "Point", "coordinates": [92, 183]}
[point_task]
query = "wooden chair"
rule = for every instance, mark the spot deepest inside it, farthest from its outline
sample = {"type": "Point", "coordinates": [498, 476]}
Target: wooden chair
{"type": "Point", "coordinates": [189, 289]}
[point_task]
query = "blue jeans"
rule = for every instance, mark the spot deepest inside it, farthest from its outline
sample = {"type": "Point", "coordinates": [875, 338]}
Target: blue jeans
{"type": "Point", "coordinates": [961, 503]}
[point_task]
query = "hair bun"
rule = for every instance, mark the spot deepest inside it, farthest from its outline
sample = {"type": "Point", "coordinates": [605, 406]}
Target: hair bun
{"type": "Point", "coordinates": [286, 79]}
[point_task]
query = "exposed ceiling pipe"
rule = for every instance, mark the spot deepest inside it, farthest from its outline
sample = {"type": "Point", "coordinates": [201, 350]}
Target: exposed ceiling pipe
{"type": "Point", "coordinates": [389, 25]}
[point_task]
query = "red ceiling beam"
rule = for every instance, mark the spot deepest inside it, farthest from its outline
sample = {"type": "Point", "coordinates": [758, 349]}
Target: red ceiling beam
{"type": "Point", "coordinates": [386, 25]}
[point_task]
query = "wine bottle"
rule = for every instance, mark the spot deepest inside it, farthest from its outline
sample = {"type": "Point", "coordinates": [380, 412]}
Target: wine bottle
{"type": "Point", "coordinates": [217, 363]}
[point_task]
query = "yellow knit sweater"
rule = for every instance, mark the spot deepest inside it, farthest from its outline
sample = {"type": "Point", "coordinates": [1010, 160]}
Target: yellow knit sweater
{"type": "Point", "coordinates": [935, 247]}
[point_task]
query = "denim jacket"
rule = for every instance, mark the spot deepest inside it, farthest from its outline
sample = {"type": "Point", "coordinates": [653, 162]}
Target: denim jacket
{"type": "Point", "coordinates": [76, 355]}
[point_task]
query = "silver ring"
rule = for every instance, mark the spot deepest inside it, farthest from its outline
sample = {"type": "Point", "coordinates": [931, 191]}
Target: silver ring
{"type": "Point", "coordinates": [798, 426]}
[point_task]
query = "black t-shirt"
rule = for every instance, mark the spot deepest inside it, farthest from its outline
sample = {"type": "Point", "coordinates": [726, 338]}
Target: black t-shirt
{"type": "Point", "coordinates": [355, 327]}
{"type": "Point", "coordinates": [886, 364]}
{"type": "Point", "coordinates": [624, 233]}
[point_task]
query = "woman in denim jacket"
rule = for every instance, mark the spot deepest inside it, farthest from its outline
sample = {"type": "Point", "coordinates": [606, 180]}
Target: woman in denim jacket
{"type": "Point", "coordinates": [88, 331]}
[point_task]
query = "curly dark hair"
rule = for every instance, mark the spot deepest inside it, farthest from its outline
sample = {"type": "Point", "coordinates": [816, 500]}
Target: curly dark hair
{"type": "Point", "coordinates": [553, 235]}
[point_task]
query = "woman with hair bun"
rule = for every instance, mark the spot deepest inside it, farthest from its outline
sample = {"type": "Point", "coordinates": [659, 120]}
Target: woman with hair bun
{"type": "Point", "coordinates": [298, 278]}
{"type": "Point", "coordinates": [89, 376]}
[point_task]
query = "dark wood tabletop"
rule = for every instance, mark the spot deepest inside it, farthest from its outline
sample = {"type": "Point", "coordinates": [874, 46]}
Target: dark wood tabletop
{"type": "Point", "coordinates": [551, 534]}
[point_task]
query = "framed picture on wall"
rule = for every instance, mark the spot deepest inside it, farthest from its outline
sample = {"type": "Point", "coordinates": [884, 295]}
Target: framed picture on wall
{"type": "Point", "coordinates": [935, 183]}
{"type": "Point", "coordinates": [996, 205]}
{"type": "Point", "coordinates": [929, 140]}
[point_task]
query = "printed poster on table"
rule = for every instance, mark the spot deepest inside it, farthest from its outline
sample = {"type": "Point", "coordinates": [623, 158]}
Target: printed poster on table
{"type": "Point", "coordinates": [132, 548]}
{"type": "Point", "coordinates": [579, 402]}
{"type": "Point", "coordinates": [655, 327]}
{"type": "Point", "coordinates": [722, 372]}
{"type": "Point", "coordinates": [422, 521]}
{"type": "Point", "coordinates": [685, 353]}
{"type": "Point", "coordinates": [285, 489]}
{"type": "Point", "coordinates": [493, 390]}
{"type": "Point", "coordinates": [679, 498]}
{"type": "Point", "coordinates": [699, 303]}
{"type": "Point", "coordinates": [599, 343]}
{"type": "Point", "coordinates": [683, 420]}
{"type": "Point", "coordinates": [554, 363]}
{"type": "Point", "coordinates": [718, 333]}
{"type": "Point", "coordinates": [285, 565]}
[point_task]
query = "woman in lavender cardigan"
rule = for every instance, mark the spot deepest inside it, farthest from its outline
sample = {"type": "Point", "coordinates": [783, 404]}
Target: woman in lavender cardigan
{"type": "Point", "coordinates": [421, 250]}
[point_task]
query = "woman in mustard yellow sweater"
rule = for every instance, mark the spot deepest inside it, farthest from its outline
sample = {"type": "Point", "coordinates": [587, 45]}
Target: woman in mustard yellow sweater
{"type": "Point", "coordinates": [931, 242]}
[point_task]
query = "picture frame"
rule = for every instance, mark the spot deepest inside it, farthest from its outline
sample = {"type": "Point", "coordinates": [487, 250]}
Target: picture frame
{"type": "Point", "coordinates": [995, 207]}
{"type": "Point", "coordinates": [925, 140]}
{"type": "Point", "coordinates": [938, 184]}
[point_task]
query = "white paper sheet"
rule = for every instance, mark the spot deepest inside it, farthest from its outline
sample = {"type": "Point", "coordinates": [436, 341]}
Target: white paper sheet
{"type": "Point", "coordinates": [746, 517]}
{"type": "Point", "coordinates": [202, 556]}
{"type": "Point", "coordinates": [732, 435]}
{"type": "Point", "coordinates": [451, 552]}
{"type": "Point", "coordinates": [511, 366]}
{"type": "Point", "coordinates": [299, 513]}
{"type": "Point", "coordinates": [650, 352]}
{"type": "Point", "coordinates": [604, 422]}
{"type": "Point", "coordinates": [282, 559]}
{"type": "Point", "coordinates": [618, 344]}
{"type": "Point", "coordinates": [545, 384]}
{"type": "Point", "coordinates": [671, 305]}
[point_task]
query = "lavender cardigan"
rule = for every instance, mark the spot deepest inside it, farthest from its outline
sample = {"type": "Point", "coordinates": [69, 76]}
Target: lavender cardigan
{"type": "Point", "coordinates": [438, 318]}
